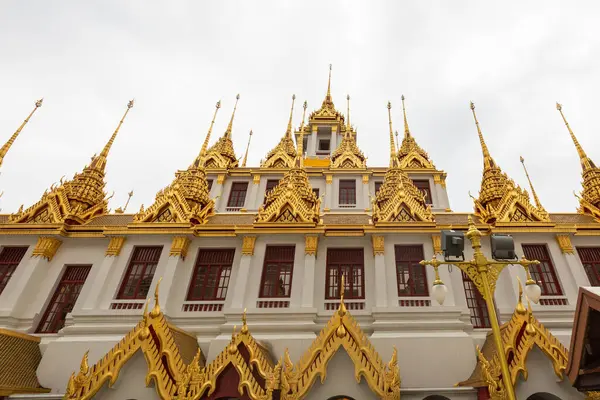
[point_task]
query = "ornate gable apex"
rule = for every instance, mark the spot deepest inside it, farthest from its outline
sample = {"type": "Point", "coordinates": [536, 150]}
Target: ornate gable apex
{"type": "Point", "coordinates": [284, 154]}
{"type": "Point", "coordinates": [75, 201]}
{"type": "Point", "coordinates": [327, 112]}
{"type": "Point", "coordinates": [519, 335]}
{"type": "Point", "coordinates": [589, 200]}
{"type": "Point", "coordinates": [221, 154]}
{"type": "Point", "coordinates": [11, 140]}
{"type": "Point", "coordinates": [348, 155]}
{"type": "Point", "coordinates": [398, 200]}
{"type": "Point", "coordinates": [410, 154]}
{"type": "Point", "coordinates": [292, 202]}
{"type": "Point", "coordinates": [500, 199]}
{"type": "Point", "coordinates": [342, 330]}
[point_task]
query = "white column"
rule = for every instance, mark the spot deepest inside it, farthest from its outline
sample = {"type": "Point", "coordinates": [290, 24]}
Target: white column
{"type": "Point", "coordinates": [366, 202]}
{"type": "Point", "coordinates": [312, 142]}
{"type": "Point", "coordinates": [166, 272]}
{"type": "Point", "coordinates": [333, 145]}
{"type": "Point", "coordinates": [243, 272]}
{"type": "Point", "coordinates": [28, 277]}
{"type": "Point", "coordinates": [99, 277]}
{"type": "Point", "coordinates": [328, 191]}
{"type": "Point", "coordinates": [310, 257]}
{"type": "Point", "coordinates": [380, 278]}
{"type": "Point", "coordinates": [220, 203]}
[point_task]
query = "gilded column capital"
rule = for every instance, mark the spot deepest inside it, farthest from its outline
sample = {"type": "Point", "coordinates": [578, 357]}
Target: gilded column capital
{"type": "Point", "coordinates": [248, 245]}
{"type": "Point", "coordinates": [378, 245]}
{"type": "Point", "coordinates": [436, 240]}
{"type": "Point", "coordinates": [220, 179]}
{"type": "Point", "coordinates": [179, 246]}
{"type": "Point", "coordinates": [366, 178]}
{"type": "Point", "coordinates": [256, 179]}
{"type": "Point", "coordinates": [328, 179]}
{"type": "Point", "coordinates": [311, 243]}
{"type": "Point", "coordinates": [115, 245]}
{"type": "Point", "coordinates": [46, 247]}
{"type": "Point", "coordinates": [564, 242]}
{"type": "Point", "coordinates": [439, 179]}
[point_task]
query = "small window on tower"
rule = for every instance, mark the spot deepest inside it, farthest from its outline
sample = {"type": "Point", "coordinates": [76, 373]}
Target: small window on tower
{"type": "Point", "coordinates": [237, 196]}
{"type": "Point", "coordinates": [324, 145]}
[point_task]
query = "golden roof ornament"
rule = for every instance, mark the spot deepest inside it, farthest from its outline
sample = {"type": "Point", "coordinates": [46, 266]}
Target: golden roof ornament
{"type": "Point", "coordinates": [410, 154]}
{"type": "Point", "coordinates": [247, 148]}
{"type": "Point", "coordinates": [327, 112]}
{"type": "Point", "coordinates": [589, 201]}
{"type": "Point", "coordinates": [221, 154]}
{"type": "Point", "coordinates": [292, 201]}
{"type": "Point", "coordinates": [538, 203]}
{"type": "Point", "coordinates": [74, 201]}
{"type": "Point", "coordinates": [187, 198]}
{"type": "Point", "coordinates": [348, 155]}
{"type": "Point", "coordinates": [122, 210]}
{"type": "Point", "coordinates": [284, 154]}
{"type": "Point", "coordinates": [398, 200]}
{"type": "Point", "coordinates": [4, 149]}
{"type": "Point", "coordinates": [500, 199]}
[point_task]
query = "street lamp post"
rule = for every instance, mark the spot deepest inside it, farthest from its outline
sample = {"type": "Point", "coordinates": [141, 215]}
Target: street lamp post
{"type": "Point", "coordinates": [484, 273]}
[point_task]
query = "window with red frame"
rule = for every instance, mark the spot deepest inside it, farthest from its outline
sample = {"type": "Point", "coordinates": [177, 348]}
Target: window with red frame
{"type": "Point", "coordinates": [271, 183]}
{"type": "Point", "coordinates": [64, 298]}
{"type": "Point", "coordinates": [423, 186]}
{"type": "Point", "coordinates": [211, 274]}
{"type": "Point", "coordinates": [590, 258]}
{"type": "Point", "coordinates": [277, 272]}
{"type": "Point", "coordinates": [10, 257]}
{"type": "Point", "coordinates": [237, 196]}
{"type": "Point", "coordinates": [477, 307]}
{"type": "Point", "coordinates": [411, 277]}
{"type": "Point", "coordinates": [140, 272]}
{"type": "Point", "coordinates": [378, 186]}
{"type": "Point", "coordinates": [543, 273]}
{"type": "Point", "coordinates": [350, 263]}
{"type": "Point", "coordinates": [347, 192]}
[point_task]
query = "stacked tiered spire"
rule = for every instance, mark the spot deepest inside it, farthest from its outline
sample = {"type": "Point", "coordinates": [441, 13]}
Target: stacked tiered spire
{"type": "Point", "coordinates": [284, 154]}
{"type": "Point", "coordinates": [348, 155]}
{"type": "Point", "coordinates": [398, 200]}
{"type": "Point", "coordinates": [327, 112]}
{"type": "Point", "coordinates": [292, 201]}
{"type": "Point", "coordinates": [14, 136]}
{"type": "Point", "coordinates": [75, 201]}
{"type": "Point", "coordinates": [187, 199]}
{"type": "Point", "coordinates": [500, 199]}
{"type": "Point", "coordinates": [589, 201]}
{"type": "Point", "coordinates": [410, 154]}
{"type": "Point", "coordinates": [221, 154]}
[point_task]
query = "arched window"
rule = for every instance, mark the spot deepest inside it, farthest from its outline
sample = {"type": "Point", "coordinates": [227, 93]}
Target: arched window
{"type": "Point", "coordinates": [543, 396]}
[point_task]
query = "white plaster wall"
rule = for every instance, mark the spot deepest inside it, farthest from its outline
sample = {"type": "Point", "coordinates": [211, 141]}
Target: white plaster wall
{"type": "Point", "coordinates": [20, 240]}
{"type": "Point", "coordinates": [131, 383]}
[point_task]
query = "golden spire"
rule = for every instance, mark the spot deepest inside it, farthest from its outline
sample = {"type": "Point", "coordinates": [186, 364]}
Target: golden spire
{"type": "Point", "coordinates": [406, 130]}
{"type": "Point", "coordinates": [284, 154]}
{"type": "Point", "coordinates": [347, 154]}
{"type": "Point", "coordinates": [535, 196]}
{"type": "Point", "coordinates": [328, 101]}
{"type": "Point", "coordinates": [393, 160]}
{"type": "Point", "coordinates": [300, 155]}
{"type": "Point", "coordinates": [230, 126]}
{"type": "Point", "coordinates": [247, 148]}
{"type": "Point", "coordinates": [585, 161]}
{"type": "Point", "coordinates": [122, 210]}
{"type": "Point", "coordinates": [207, 139]}
{"type": "Point", "coordinates": [397, 142]}
{"type": "Point", "coordinates": [348, 127]}
{"type": "Point", "coordinates": [288, 132]}
{"type": "Point", "coordinates": [329, 83]}
{"type": "Point", "coordinates": [12, 139]}
{"type": "Point", "coordinates": [488, 161]}
{"type": "Point", "coordinates": [99, 162]}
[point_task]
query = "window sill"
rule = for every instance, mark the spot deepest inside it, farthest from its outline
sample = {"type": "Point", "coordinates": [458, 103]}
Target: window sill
{"type": "Point", "coordinates": [203, 306]}
{"type": "Point", "coordinates": [281, 302]}
{"type": "Point", "coordinates": [352, 305]}
{"type": "Point", "coordinates": [127, 304]}
{"type": "Point", "coordinates": [347, 205]}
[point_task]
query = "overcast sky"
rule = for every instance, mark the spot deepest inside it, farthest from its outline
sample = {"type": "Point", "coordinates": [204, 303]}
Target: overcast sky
{"type": "Point", "coordinates": [87, 59]}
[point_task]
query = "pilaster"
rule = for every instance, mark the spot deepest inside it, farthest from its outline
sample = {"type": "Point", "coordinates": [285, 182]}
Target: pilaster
{"type": "Point", "coordinates": [333, 144]}
{"type": "Point", "coordinates": [366, 193]}
{"type": "Point", "coordinates": [378, 243]}
{"type": "Point", "coordinates": [219, 192]}
{"type": "Point", "coordinates": [328, 191]}
{"type": "Point", "coordinates": [243, 272]}
{"type": "Point", "coordinates": [311, 243]}
{"type": "Point", "coordinates": [254, 193]}
{"type": "Point", "coordinates": [166, 272]}
{"type": "Point", "coordinates": [312, 142]}
{"type": "Point", "coordinates": [575, 266]}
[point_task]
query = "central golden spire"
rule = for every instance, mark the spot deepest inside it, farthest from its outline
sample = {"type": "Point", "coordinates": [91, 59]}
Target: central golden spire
{"type": "Point", "coordinates": [12, 139]}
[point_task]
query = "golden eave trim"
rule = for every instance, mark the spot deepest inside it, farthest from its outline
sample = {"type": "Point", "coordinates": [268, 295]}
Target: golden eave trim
{"type": "Point", "coordinates": [20, 335]}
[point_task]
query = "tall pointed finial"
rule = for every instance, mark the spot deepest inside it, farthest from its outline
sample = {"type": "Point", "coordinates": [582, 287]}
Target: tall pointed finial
{"type": "Point", "coordinates": [230, 126]}
{"type": "Point", "coordinates": [535, 196]}
{"type": "Point", "coordinates": [288, 132]}
{"type": "Point", "coordinates": [207, 139]}
{"type": "Point", "coordinates": [582, 156]}
{"type": "Point", "coordinates": [121, 210]}
{"type": "Point", "coordinates": [348, 126]}
{"type": "Point", "coordinates": [397, 141]}
{"type": "Point", "coordinates": [329, 83]}
{"type": "Point", "coordinates": [156, 310]}
{"type": "Point", "coordinates": [247, 148]}
{"type": "Point", "coordinates": [393, 159]}
{"type": "Point", "coordinates": [342, 289]}
{"type": "Point", "coordinates": [12, 139]}
{"type": "Point", "coordinates": [487, 158]}
{"type": "Point", "coordinates": [300, 151]}
{"type": "Point", "coordinates": [99, 162]}
{"type": "Point", "coordinates": [406, 130]}
{"type": "Point", "coordinates": [244, 329]}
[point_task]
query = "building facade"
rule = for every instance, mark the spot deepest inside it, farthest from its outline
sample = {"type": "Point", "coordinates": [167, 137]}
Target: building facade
{"type": "Point", "coordinates": [270, 276]}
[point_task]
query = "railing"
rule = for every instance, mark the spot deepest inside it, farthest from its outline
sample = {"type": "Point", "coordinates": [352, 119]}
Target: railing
{"type": "Point", "coordinates": [350, 305]}
{"type": "Point", "coordinates": [554, 301]}
{"type": "Point", "coordinates": [272, 304]}
{"type": "Point", "coordinates": [127, 304]}
{"type": "Point", "coordinates": [414, 303]}
{"type": "Point", "coordinates": [233, 208]}
{"type": "Point", "coordinates": [347, 205]}
{"type": "Point", "coordinates": [194, 306]}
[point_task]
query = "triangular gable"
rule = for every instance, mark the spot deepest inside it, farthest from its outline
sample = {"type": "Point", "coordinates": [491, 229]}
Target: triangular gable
{"type": "Point", "coordinates": [513, 206]}
{"type": "Point", "coordinates": [342, 331]}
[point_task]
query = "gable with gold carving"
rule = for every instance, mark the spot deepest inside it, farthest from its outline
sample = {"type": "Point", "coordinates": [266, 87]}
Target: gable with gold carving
{"type": "Point", "coordinates": [284, 154]}
{"type": "Point", "coordinates": [221, 154]}
{"type": "Point", "coordinates": [410, 154]}
{"type": "Point", "coordinates": [348, 155]}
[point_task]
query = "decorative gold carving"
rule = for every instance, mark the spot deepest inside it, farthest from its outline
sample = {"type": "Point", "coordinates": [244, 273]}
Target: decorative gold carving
{"type": "Point", "coordinates": [74, 201]}
{"type": "Point", "coordinates": [348, 155]}
{"type": "Point", "coordinates": [115, 245]}
{"type": "Point", "coordinates": [500, 199]}
{"type": "Point", "coordinates": [311, 243]}
{"type": "Point", "coordinates": [179, 246]}
{"type": "Point", "coordinates": [284, 154]}
{"type": "Point", "coordinates": [248, 245]}
{"type": "Point", "coordinates": [410, 154]}
{"type": "Point", "coordinates": [46, 247]}
{"type": "Point", "coordinates": [436, 240]}
{"type": "Point", "coordinates": [519, 335]}
{"type": "Point", "coordinates": [342, 330]}
{"type": "Point", "coordinates": [121, 210]}
{"type": "Point", "coordinates": [221, 155]}
{"type": "Point", "coordinates": [365, 178]}
{"type": "Point", "coordinates": [592, 396]}
{"type": "Point", "coordinates": [221, 179]}
{"type": "Point", "coordinates": [11, 140]}
{"type": "Point", "coordinates": [327, 113]}
{"type": "Point", "coordinates": [398, 200]}
{"type": "Point", "coordinates": [247, 148]}
{"type": "Point", "coordinates": [564, 242]}
{"type": "Point", "coordinates": [440, 179]}
{"type": "Point", "coordinates": [378, 244]}
{"type": "Point", "coordinates": [256, 179]}
{"type": "Point", "coordinates": [328, 179]}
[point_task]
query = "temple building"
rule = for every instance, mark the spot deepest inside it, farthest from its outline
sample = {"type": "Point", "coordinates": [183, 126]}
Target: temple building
{"type": "Point", "coordinates": [298, 278]}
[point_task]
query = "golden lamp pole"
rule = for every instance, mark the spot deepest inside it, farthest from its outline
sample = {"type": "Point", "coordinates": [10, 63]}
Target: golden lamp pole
{"type": "Point", "coordinates": [484, 274]}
